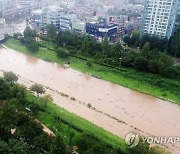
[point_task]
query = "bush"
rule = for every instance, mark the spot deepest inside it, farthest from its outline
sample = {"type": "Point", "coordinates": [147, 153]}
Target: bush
{"type": "Point", "coordinates": [141, 63]}
{"type": "Point", "coordinates": [10, 76]}
{"type": "Point", "coordinates": [39, 89]}
{"type": "Point", "coordinates": [61, 53]}
{"type": "Point", "coordinates": [17, 35]}
{"type": "Point", "coordinates": [89, 64]}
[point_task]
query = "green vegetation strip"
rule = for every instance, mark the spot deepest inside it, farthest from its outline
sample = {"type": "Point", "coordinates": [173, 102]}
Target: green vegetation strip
{"type": "Point", "coordinates": [155, 85]}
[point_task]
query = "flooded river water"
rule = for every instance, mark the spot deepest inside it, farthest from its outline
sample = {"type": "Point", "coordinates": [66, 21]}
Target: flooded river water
{"type": "Point", "coordinates": [149, 115]}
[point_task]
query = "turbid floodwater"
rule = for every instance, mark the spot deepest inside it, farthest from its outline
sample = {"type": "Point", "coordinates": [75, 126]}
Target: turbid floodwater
{"type": "Point", "coordinates": [111, 103]}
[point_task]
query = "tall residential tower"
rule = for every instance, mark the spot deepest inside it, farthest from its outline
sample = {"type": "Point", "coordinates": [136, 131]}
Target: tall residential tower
{"type": "Point", "coordinates": [159, 17]}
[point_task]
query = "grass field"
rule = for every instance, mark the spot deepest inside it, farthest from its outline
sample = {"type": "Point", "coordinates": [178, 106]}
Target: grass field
{"type": "Point", "coordinates": [152, 84]}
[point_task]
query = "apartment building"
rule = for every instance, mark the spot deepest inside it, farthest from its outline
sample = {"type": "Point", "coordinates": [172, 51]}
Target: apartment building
{"type": "Point", "coordinates": [67, 21]}
{"type": "Point", "coordinates": [51, 16]}
{"type": "Point", "coordinates": [159, 17]}
{"type": "Point", "coordinates": [8, 8]}
{"type": "Point", "coordinates": [28, 5]}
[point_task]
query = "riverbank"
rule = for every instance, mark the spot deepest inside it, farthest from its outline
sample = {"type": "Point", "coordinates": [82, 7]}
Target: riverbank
{"type": "Point", "coordinates": [61, 121]}
{"type": "Point", "coordinates": [70, 126]}
{"type": "Point", "coordinates": [155, 85]}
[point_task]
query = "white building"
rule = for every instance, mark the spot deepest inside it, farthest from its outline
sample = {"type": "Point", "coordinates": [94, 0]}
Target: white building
{"type": "Point", "coordinates": [8, 8]}
{"type": "Point", "coordinates": [37, 18]}
{"type": "Point", "coordinates": [28, 5]}
{"type": "Point", "coordinates": [67, 21]}
{"type": "Point", "coordinates": [51, 16]}
{"type": "Point", "coordinates": [159, 17]}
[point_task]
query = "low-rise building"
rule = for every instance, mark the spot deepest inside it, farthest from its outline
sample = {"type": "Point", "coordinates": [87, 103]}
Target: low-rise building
{"type": "Point", "coordinates": [36, 18]}
{"type": "Point", "coordinates": [8, 8]}
{"type": "Point", "coordinates": [51, 16]}
{"type": "Point", "coordinates": [100, 31]}
{"type": "Point", "coordinates": [67, 21]}
{"type": "Point", "coordinates": [79, 27]}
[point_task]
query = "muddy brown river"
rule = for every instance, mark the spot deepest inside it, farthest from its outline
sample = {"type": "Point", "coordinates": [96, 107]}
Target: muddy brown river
{"type": "Point", "coordinates": [151, 116]}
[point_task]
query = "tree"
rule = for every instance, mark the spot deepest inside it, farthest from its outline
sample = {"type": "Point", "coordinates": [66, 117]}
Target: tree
{"type": "Point", "coordinates": [145, 50]}
{"type": "Point", "coordinates": [51, 32]}
{"type": "Point", "coordinates": [85, 47]}
{"type": "Point", "coordinates": [46, 98]}
{"type": "Point", "coordinates": [174, 44]}
{"type": "Point", "coordinates": [4, 90]}
{"type": "Point", "coordinates": [117, 50]}
{"type": "Point", "coordinates": [61, 53]}
{"type": "Point", "coordinates": [58, 147]}
{"type": "Point", "coordinates": [18, 146]}
{"type": "Point", "coordinates": [134, 39]}
{"type": "Point", "coordinates": [155, 42]}
{"type": "Point", "coordinates": [128, 58]}
{"type": "Point", "coordinates": [89, 64]}
{"type": "Point", "coordinates": [17, 35]}
{"type": "Point", "coordinates": [127, 39]}
{"type": "Point", "coordinates": [8, 118]}
{"type": "Point", "coordinates": [165, 63]}
{"type": "Point", "coordinates": [154, 66]}
{"type": "Point", "coordinates": [29, 39]}
{"type": "Point", "coordinates": [105, 46]}
{"type": "Point", "coordinates": [141, 148]}
{"type": "Point", "coordinates": [4, 148]}
{"type": "Point", "coordinates": [32, 45]}
{"type": "Point", "coordinates": [141, 63]}
{"type": "Point", "coordinates": [158, 150]}
{"type": "Point", "coordinates": [28, 32]}
{"type": "Point", "coordinates": [10, 76]}
{"type": "Point", "coordinates": [38, 89]}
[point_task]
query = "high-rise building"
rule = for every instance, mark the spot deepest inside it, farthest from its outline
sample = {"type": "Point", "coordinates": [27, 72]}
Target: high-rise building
{"type": "Point", "coordinates": [51, 16]}
{"type": "Point", "coordinates": [159, 17]}
{"type": "Point", "coordinates": [8, 8]}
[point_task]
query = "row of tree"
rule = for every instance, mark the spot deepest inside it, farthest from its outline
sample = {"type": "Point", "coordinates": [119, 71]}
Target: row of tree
{"type": "Point", "coordinates": [152, 55]}
{"type": "Point", "coordinates": [152, 61]}
{"type": "Point", "coordinates": [171, 46]}
{"type": "Point", "coordinates": [147, 58]}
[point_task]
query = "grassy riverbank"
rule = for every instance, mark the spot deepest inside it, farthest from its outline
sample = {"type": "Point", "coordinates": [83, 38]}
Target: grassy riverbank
{"type": "Point", "coordinates": [60, 121]}
{"type": "Point", "coordinates": [72, 129]}
{"type": "Point", "coordinates": [151, 84]}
